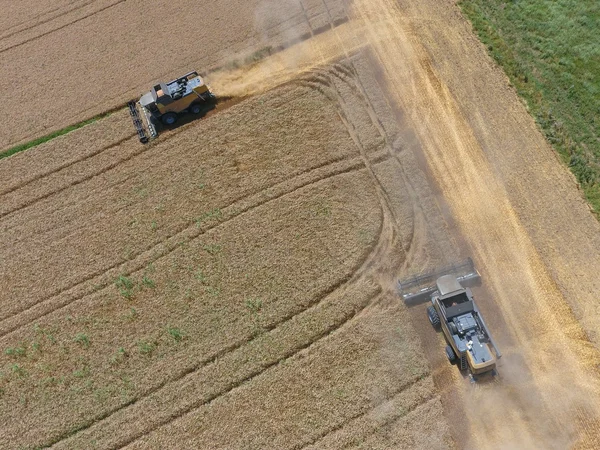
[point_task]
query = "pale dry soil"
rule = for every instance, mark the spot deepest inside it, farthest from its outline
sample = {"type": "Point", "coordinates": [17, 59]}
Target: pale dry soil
{"type": "Point", "coordinates": [520, 216]}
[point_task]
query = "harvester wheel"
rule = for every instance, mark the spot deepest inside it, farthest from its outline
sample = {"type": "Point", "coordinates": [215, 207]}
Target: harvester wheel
{"type": "Point", "coordinates": [195, 108]}
{"type": "Point", "coordinates": [434, 319]}
{"type": "Point", "coordinates": [169, 118]}
{"type": "Point", "coordinates": [452, 327]}
{"type": "Point", "coordinates": [450, 354]}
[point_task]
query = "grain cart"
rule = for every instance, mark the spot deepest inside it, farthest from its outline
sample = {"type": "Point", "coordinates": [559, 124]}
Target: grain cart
{"type": "Point", "coordinates": [166, 101]}
{"type": "Point", "coordinates": [453, 310]}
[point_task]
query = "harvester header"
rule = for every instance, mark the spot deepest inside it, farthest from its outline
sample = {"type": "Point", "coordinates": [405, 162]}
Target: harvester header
{"type": "Point", "coordinates": [418, 289]}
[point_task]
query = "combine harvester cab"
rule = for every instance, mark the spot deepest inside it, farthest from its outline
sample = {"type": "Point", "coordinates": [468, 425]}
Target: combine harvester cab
{"type": "Point", "coordinates": [166, 101]}
{"type": "Point", "coordinates": [453, 310]}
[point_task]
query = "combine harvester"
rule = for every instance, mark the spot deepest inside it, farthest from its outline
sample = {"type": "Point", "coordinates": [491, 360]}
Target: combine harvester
{"type": "Point", "coordinates": [166, 101]}
{"type": "Point", "coordinates": [454, 311]}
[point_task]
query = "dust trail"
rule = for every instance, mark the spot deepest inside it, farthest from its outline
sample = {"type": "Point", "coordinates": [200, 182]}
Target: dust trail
{"type": "Point", "coordinates": [289, 63]}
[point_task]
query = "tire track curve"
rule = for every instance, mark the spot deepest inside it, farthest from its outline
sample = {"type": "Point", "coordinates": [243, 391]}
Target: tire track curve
{"type": "Point", "coordinates": [370, 266]}
{"type": "Point", "coordinates": [104, 277]}
{"type": "Point", "coordinates": [387, 231]}
{"type": "Point", "coordinates": [375, 254]}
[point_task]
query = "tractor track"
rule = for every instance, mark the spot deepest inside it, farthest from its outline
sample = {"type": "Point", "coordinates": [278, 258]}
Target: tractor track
{"type": "Point", "coordinates": [138, 150]}
{"type": "Point", "coordinates": [338, 101]}
{"type": "Point", "coordinates": [62, 167]}
{"type": "Point", "coordinates": [75, 182]}
{"type": "Point", "coordinates": [189, 225]}
{"type": "Point", "coordinates": [212, 359]}
{"type": "Point", "coordinates": [105, 276]}
{"type": "Point", "coordinates": [361, 93]}
{"type": "Point", "coordinates": [42, 22]}
{"type": "Point", "coordinates": [387, 237]}
{"type": "Point", "coordinates": [369, 265]}
{"type": "Point", "coordinates": [49, 11]}
{"type": "Point", "coordinates": [39, 36]}
{"type": "Point", "coordinates": [402, 413]}
{"type": "Point", "coordinates": [264, 368]}
{"type": "Point", "coordinates": [319, 298]}
{"type": "Point", "coordinates": [418, 212]}
{"type": "Point", "coordinates": [196, 405]}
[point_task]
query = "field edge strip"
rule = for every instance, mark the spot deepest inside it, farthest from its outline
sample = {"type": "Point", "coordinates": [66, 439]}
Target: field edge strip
{"type": "Point", "coordinates": [47, 138]}
{"type": "Point", "coordinates": [586, 171]}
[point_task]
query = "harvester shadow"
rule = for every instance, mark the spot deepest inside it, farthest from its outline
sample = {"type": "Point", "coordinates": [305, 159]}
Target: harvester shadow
{"type": "Point", "coordinates": [186, 118]}
{"type": "Point", "coordinates": [210, 107]}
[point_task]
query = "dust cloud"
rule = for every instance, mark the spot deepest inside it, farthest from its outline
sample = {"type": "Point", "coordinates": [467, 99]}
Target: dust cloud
{"type": "Point", "coordinates": [289, 63]}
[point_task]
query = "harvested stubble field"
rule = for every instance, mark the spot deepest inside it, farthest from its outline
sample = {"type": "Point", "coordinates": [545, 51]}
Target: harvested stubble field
{"type": "Point", "coordinates": [232, 285]}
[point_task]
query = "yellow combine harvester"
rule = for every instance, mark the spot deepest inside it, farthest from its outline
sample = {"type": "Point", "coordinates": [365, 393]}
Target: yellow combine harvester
{"type": "Point", "coordinates": [166, 101]}
{"type": "Point", "coordinates": [453, 310]}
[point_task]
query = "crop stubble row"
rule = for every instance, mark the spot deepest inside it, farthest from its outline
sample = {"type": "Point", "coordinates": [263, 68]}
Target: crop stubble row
{"type": "Point", "coordinates": [384, 168]}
